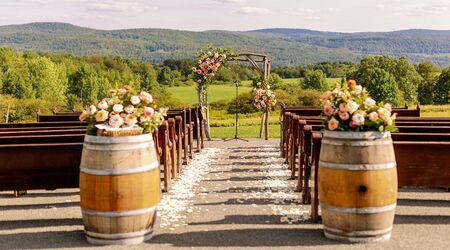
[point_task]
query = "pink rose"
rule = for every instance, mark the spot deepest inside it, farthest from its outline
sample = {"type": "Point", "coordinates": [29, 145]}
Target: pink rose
{"type": "Point", "coordinates": [325, 95]}
{"type": "Point", "coordinates": [343, 107]}
{"type": "Point", "coordinates": [115, 121]}
{"type": "Point", "coordinates": [328, 110]}
{"type": "Point", "coordinates": [358, 119]}
{"type": "Point", "coordinates": [333, 124]}
{"type": "Point", "coordinates": [148, 111]}
{"type": "Point", "coordinates": [343, 115]}
{"type": "Point", "coordinates": [358, 89]}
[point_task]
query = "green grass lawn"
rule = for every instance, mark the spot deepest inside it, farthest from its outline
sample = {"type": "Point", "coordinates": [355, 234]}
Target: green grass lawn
{"type": "Point", "coordinates": [244, 131]}
{"type": "Point", "coordinates": [188, 94]}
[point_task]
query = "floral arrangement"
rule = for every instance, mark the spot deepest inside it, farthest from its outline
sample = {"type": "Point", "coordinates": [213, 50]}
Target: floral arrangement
{"type": "Point", "coordinates": [264, 97]}
{"type": "Point", "coordinates": [124, 110]}
{"type": "Point", "coordinates": [208, 63]}
{"type": "Point", "coordinates": [349, 108]}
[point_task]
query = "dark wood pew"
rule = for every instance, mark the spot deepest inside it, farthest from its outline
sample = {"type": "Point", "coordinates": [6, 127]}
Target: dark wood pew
{"type": "Point", "coordinates": [199, 129]}
{"type": "Point", "coordinates": [178, 140]}
{"type": "Point", "coordinates": [43, 132]}
{"type": "Point", "coordinates": [57, 118]}
{"type": "Point", "coordinates": [184, 133]}
{"type": "Point", "coordinates": [42, 124]}
{"type": "Point", "coordinates": [189, 129]}
{"type": "Point", "coordinates": [162, 145]}
{"type": "Point", "coordinates": [41, 139]}
{"type": "Point", "coordinates": [40, 166]}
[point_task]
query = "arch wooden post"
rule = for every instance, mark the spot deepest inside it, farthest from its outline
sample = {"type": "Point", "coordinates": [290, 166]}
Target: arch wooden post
{"type": "Point", "coordinates": [254, 59]}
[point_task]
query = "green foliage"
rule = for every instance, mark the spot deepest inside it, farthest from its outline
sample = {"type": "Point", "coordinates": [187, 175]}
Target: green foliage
{"type": "Point", "coordinates": [381, 85]}
{"type": "Point", "coordinates": [315, 79]}
{"type": "Point", "coordinates": [442, 87]}
{"type": "Point", "coordinates": [404, 74]}
{"type": "Point", "coordinates": [429, 73]}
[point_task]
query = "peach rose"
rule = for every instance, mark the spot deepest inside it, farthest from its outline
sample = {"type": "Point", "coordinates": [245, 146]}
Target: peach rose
{"type": "Point", "coordinates": [101, 116]}
{"type": "Point", "coordinates": [373, 116]}
{"type": "Point", "coordinates": [333, 124]}
{"type": "Point", "coordinates": [129, 109]}
{"type": "Point", "coordinates": [343, 107]}
{"type": "Point", "coordinates": [145, 118]}
{"type": "Point", "coordinates": [326, 95]}
{"type": "Point", "coordinates": [130, 120]}
{"type": "Point", "coordinates": [84, 115]}
{"type": "Point", "coordinates": [388, 107]}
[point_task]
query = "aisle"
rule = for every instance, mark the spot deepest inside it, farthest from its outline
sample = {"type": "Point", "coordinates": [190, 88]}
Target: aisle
{"type": "Point", "coordinates": [235, 194]}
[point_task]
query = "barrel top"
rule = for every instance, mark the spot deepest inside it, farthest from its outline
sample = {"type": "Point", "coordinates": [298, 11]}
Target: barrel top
{"type": "Point", "coordinates": [356, 135]}
{"type": "Point", "coordinates": [118, 139]}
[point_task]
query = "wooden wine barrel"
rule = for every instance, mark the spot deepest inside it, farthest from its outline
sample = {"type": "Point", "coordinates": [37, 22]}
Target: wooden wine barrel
{"type": "Point", "coordinates": [119, 188]}
{"type": "Point", "coordinates": [357, 186]}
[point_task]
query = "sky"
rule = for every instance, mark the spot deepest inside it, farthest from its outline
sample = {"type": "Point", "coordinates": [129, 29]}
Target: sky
{"type": "Point", "coordinates": [235, 15]}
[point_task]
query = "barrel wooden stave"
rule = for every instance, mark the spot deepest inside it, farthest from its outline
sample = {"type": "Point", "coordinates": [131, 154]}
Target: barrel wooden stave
{"type": "Point", "coordinates": [119, 189]}
{"type": "Point", "coordinates": [357, 186]}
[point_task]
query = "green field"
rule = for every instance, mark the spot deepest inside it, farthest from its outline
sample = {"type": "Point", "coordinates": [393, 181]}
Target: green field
{"type": "Point", "coordinates": [188, 94]}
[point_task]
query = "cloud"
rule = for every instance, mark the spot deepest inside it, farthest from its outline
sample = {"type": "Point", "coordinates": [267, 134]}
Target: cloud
{"type": "Point", "coordinates": [247, 10]}
{"type": "Point", "coordinates": [306, 13]}
{"type": "Point", "coordinates": [231, 1]}
{"type": "Point", "coordinates": [129, 7]}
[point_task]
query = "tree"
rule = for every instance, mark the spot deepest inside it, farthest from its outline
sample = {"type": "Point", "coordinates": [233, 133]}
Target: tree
{"type": "Point", "coordinates": [16, 80]}
{"type": "Point", "coordinates": [429, 73]}
{"type": "Point", "coordinates": [442, 88]}
{"type": "Point", "coordinates": [49, 80]}
{"type": "Point", "coordinates": [381, 85]}
{"type": "Point", "coordinates": [314, 79]}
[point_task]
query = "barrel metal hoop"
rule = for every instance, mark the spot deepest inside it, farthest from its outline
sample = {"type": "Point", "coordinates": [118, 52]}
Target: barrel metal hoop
{"type": "Point", "coordinates": [88, 211]}
{"type": "Point", "coordinates": [136, 170]}
{"type": "Point", "coordinates": [118, 147]}
{"type": "Point", "coordinates": [361, 210]}
{"type": "Point", "coordinates": [359, 233]}
{"type": "Point", "coordinates": [356, 135]}
{"type": "Point", "coordinates": [356, 143]}
{"type": "Point", "coordinates": [120, 235]}
{"type": "Point", "coordinates": [373, 239]}
{"type": "Point", "coordinates": [118, 139]}
{"type": "Point", "coordinates": [346, 166]}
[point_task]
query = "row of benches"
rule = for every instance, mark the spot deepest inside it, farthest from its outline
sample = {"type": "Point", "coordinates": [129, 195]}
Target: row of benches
{"type": "Point", "coordinates": [46, 154]}
{"type": "Point", "coordinates": [421, 147]}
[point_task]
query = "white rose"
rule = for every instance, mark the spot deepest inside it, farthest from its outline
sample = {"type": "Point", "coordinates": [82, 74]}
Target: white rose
{"type": "Point", "coordinates": [103, 104]}
{"type": "Point", "coordinates": [369, 102]}
{"type": "Point", "coordinates": [352, 107]}
{"type": "Point", "coordinates": [135, 100]}
{"type": "Point", "coordinates": [358, 119]}
{"type": "Point", "coordinates": [118, 108]}
{"type": "Point", "coordinates": [129, 109]}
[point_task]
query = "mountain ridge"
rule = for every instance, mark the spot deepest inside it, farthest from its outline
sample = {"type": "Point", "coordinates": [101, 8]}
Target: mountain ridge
{"type": "Point", "coordinates": [284, 46]}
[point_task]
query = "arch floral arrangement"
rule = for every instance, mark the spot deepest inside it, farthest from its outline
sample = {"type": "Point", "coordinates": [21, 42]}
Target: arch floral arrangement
{"type": "Point", "coordinates": [208, 63]}
{"type": "Point", "coordinates": [264, 97]}
{"type": "Point", "coordinates": [124, 112]}
{"type": "Point", "coordinates": [349, 108]}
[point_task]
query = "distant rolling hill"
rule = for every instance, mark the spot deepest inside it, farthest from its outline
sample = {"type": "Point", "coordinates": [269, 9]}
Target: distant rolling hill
{"type": "Point", "coordinates": [283, 46]}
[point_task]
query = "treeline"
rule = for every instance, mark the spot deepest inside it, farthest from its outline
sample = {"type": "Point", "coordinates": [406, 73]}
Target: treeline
{"type": "Point", "coordinates": [395, 80]}
{"type": "Point", "coordinates": [30, 81]}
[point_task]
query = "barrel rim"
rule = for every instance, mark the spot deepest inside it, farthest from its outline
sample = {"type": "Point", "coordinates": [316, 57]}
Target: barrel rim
{"type": "Point", "coordinates": [357, 135]}
{"type": "Point", "coordinates": [118, 139]}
